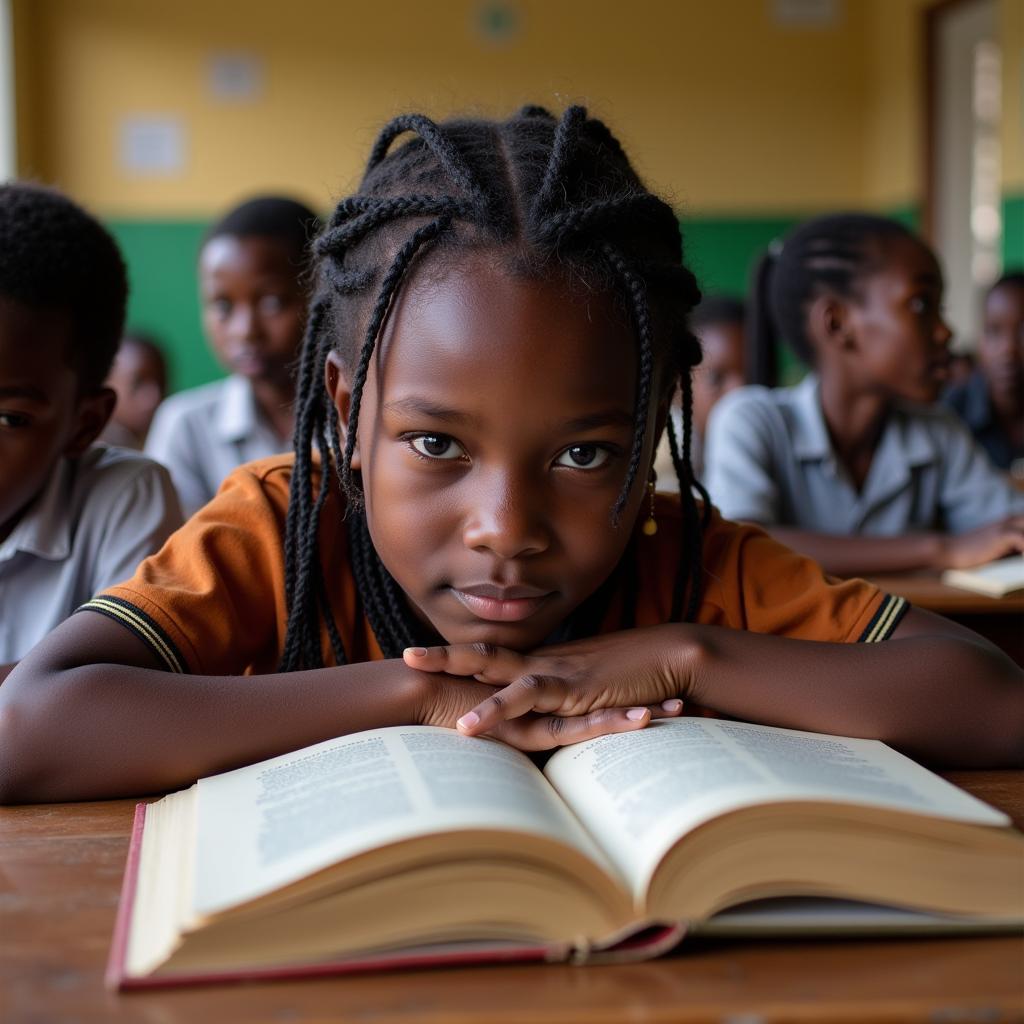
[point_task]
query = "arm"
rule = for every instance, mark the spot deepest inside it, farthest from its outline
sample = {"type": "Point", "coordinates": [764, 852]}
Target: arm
{"type": "Point", "coordinates": [88, 715]}
{"type": "Point", "coordinates": [6, 670]}
{"type": "Point", "coordinates": [859, 555]}
{"type": "Point", "coordinates": [935, 689]}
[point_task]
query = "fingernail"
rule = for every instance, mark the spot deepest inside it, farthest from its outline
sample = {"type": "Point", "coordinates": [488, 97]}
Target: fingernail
{"type": "Point", "coordinates": [469, 719]}
{"type": "Point", "coordinates": [416, 652]}
{"type": "Point", "coordinates": [671, 705]}
{"type": "Point", "coordinates": [635, 714]}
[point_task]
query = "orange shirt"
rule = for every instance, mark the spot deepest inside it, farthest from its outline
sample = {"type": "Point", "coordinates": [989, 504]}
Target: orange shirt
{"type": "Point", "coordinates": [212, 600]}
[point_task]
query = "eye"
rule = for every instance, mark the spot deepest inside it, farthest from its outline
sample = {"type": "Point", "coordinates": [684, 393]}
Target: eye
{"type": "Point", "coordinates": [270, 305]}
{"type": "Point", "coordinates": [13, 420]}
{"type": "Point", "coordinates": [221, 308]}
{"type": "Point", "coordinates": [583, 456]}
{"type": "Point", "coordinates": [436, 446]}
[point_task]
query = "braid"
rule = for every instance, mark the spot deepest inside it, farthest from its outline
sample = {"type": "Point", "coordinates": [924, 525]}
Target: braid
{"type": "Point", "coordinates": [556, 194]}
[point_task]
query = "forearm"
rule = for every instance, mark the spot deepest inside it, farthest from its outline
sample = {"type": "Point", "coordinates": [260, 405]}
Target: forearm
{"type": "Point", "coordinates": [103, 730]}
{"type": "Point", "coordinates": [858, 556]}
{"type": "Point", "coordinates": [945, 699]}
{"type": "Point", "coordinates": [6, 670]}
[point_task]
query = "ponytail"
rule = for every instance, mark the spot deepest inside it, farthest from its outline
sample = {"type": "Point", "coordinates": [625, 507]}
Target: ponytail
{"type": "Point", "coordinates": [762, 338]}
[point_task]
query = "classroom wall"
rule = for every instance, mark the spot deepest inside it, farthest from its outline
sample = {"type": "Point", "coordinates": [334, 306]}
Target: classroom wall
{"type": "Point", "coordinates": [746, 124]}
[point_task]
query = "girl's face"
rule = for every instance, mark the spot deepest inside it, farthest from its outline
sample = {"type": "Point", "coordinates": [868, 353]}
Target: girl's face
{"type": "Point", "coordinates": [902, 341]}
{"type": "Point", "coordinates": [1001, 349]}
{"type": "Point", "coordinates": [253, 305]}
{"type": "Point", "coordinates": [493, 441]}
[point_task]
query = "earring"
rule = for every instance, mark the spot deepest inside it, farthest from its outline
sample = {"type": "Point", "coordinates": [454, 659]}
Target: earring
{"type": "Point", "coordinates": [650, 526]}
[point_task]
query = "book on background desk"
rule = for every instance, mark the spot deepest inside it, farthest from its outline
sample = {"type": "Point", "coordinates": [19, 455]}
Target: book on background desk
{"type": "Point", "coordinates": [993, 578]}
{"type": "Point", "coordinates": [415, 846]}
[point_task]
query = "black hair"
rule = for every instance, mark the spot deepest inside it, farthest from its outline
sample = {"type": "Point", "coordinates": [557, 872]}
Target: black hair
{"type": "Point", "coordinates": [719, 309]}
{"type": "Point", "coordinates": [832, 253]}
{"type": "Point", "coordinates": [1009, 279]}
{"type": "Point", "coordinates": [554, 196]}
{"type": "Point", "coordinates": [276, 217]}
{"type": "Point", "coordinates": [54, 256]}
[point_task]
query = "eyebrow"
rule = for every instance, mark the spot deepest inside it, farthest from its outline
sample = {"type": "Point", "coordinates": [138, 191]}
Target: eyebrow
{"type": "Point", "coordinates": [928, 277]}
{"type": "Point", "coordinates": [423, 407]}
{"type": "Point", "coordinates": [24, 391]}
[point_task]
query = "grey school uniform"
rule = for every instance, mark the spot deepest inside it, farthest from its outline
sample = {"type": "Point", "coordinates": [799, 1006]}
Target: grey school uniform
{"type": "Point", "coordinates": [204, 433]}
{"type": "Point", "coordinates": [769, 460]}
{"type": "Point", "coordinates": [97, 517]}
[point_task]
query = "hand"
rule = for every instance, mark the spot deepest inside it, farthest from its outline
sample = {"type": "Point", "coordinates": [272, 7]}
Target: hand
{"type": "Point", "coordinates": [641, 670]}
{"type": "Point", "coordinates": [996, 540]}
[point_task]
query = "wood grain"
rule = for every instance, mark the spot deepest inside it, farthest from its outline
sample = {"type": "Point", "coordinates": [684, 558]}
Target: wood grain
{"type": "Point", "coordinates": [60, 875]}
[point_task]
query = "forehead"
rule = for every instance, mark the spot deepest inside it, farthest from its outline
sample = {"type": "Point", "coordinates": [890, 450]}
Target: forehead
{"type": "Point", "coordinates": [1006, 299]}
{"type": "Point", "coordinates": [255, 256]}
{"type": "Point", "coordinates": [477, 333]}
{"type": "Point", "coordinates": [721, 342]}
{"type": "Point", "coordinates": [34, 349]}
{"type": "Point", "coordinates": [906, 260]}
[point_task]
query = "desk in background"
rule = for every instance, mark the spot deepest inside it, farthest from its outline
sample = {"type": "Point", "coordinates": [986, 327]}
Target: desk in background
{"type": "Point", "coordinates": [1000, 619]}
{"type": "Point", "coordinates": [60, 875]}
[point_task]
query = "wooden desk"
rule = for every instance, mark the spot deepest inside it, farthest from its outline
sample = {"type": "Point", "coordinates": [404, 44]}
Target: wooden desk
{"type": "Point", "coordinates": [60, 874]}
{"type": "Point", "coordinates": [1001, 619]}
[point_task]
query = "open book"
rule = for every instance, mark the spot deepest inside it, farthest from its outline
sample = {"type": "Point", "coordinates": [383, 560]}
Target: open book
{"type": "Point", "coordinates": [415, 845]}
{"type": "Point", "coordinates": [993, 578]}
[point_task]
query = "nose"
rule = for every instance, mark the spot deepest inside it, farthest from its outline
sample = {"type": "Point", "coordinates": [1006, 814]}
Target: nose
{"type": "Point", "coordinates": [943, 333]}
{"type": "Point", "coordinates": [245, 322]}
{"type": "Point", "coordinates": [508, 516]}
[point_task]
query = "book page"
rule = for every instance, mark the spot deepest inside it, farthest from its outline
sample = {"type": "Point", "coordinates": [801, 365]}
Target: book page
{"type": "Point", "coordinates": [638, 792]}
{"type": "Point", "coordinates": [996, 578]}
{"type": "Point", "coordinates": [269, 824]}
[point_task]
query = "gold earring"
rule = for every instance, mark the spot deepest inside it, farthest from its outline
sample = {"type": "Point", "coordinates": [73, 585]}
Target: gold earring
{"type": "Point", "coordinates": [650, 526]}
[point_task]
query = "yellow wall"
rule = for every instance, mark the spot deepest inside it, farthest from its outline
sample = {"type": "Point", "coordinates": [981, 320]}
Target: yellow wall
{"type": "Point", "coordinates": [1011, 31]}
{"type": "Point", "coordinates": [723, 109]}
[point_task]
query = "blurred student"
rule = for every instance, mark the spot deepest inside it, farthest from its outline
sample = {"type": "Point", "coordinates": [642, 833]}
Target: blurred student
{"type": "Point", "coordinates": [139, 379]}
{"type": "Point", "coordinates": [991, 400]}
{"type": "Point", "coordinates": [856, 466]}
{"type": "Point", "coordinates": [253, 294]}
{"type": "Point", "coordinates": [75, 517]}
{"type": "Point", "coordinates": [719, 324]}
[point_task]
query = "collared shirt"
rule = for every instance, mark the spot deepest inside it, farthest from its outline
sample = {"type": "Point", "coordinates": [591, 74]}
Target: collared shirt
{"type": "Point", "coordinates": [971, 402]}
{"type": "Point", "coordinates": [769, 460]}
{"type": "Point", "coordinates": [97, 517]}
{"type": "Point", "coordinates": [202, 434]}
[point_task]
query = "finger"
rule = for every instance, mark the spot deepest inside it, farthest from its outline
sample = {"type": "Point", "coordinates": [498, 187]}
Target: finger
{"type": "Point", "coordinates": [672, 708]}
{"type": "Point", "coordinates": [525, 694]}
{"type": "Point", "coordinates": [546, 731]}
{"type": "Point", "coordinates": [486, 662]}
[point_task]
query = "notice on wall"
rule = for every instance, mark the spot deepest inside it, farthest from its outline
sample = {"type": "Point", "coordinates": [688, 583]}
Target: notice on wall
{"type": "Point", "coordinates": [151, 145]}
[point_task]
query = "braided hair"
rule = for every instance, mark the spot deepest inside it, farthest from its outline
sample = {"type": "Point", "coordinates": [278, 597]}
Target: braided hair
{"type": "Point", "coordinates": [832, 253]}
{"type": "Point", "coordinates": [556, 194]}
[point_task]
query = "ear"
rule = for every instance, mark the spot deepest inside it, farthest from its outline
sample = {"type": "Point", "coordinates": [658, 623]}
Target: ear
{"type": "Point", "coordinates": [91, 416]}
{"type": "Point", "coordinates": [339, 392]}
{"type": "Point", "coordinates": [829, 324]}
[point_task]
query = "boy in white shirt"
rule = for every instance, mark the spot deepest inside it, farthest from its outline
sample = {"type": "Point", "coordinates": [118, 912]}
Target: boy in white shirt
{"type": "Point", "coordinates": [75, 517]}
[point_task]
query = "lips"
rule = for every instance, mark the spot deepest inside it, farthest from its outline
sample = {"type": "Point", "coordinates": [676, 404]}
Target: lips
{"type": "Point", "coordinates": [494, 603]}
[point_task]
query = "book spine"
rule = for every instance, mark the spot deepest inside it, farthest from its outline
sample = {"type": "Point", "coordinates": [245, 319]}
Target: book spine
{"type": "Point", "coordinates": [125, 905]}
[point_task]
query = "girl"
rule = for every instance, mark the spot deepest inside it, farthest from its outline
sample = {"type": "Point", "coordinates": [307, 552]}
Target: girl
{"type": "Point", "coordinates": [991, 400]}
{"type": "Point", "coordinates": [253, 293]}
{"type": "Point", "coordinates": [854, 466]}
{"type": "Point", "coordinates": [467, 531]}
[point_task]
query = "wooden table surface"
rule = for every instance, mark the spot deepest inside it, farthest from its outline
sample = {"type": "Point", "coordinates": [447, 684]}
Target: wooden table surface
{"type": "Point", "coordinates": [60, 875]}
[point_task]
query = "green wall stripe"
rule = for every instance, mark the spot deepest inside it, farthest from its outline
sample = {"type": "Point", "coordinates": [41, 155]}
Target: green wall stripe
{"type": "Point", "coordinates": [1013, 232]}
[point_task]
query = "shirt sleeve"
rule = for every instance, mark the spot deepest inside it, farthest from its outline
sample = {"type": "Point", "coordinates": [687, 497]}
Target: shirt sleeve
{"type": "Point", "coordinates": [755, 583]}
{"type": "Point", "coordinates": [139, 514]}
{"type": "Point", "coordinates": [973, 491]}
{"type": "Point", "coordinates": [172, 442]}
{"type": "Point", "coordinates": [211, 600]}
{"type": "Point", "coordinates": [738, 457]}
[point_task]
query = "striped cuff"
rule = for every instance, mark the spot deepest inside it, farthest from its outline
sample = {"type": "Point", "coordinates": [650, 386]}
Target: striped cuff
{"type": "Point", "coordinates": [885, 620]}
{"type": "Point", "coordinates": [145, 628]}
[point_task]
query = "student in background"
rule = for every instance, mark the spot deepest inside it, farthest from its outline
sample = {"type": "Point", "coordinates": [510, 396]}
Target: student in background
{"type": "Point", "coordinates": [253, 295]}
{"type": "Point", "coordinates": [991, 401]}
{"type": "Point", "coordinates": [856, 466]}
{"type": "Point", "coordinates": [75, 517]}
{"type": "Point", "coordinates": [499, 324]}
{"type": "Point", "coordinates": [718, 323]}
{"type": "Point", "coordinates": [139, 379]}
